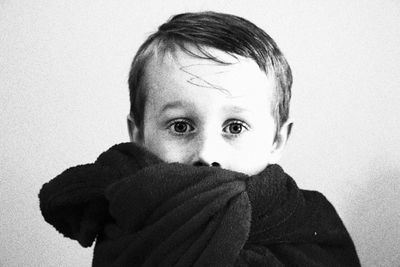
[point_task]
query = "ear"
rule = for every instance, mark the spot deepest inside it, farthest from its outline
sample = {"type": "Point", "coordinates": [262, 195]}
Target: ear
{"type": "Point", "coordinates": [281, 141]}
{"type": "Point", "coordinates": [133, 130]}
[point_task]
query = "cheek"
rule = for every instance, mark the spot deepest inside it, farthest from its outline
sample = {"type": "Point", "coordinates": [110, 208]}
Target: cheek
{"type": "Point", "coordinates": [250, 164]}
{"type": "Point", "coordinates": [255, 156]}
{"type": "Point", "coordinates": [174, 153]}
{"type": "Point", "coordinates": [258, 141]}
{"type": "Point", "coordinates": [254, 152]}
{"type": "Point", "coordinates": [262, 144]}
{"type": "Point", "coordinates": [163, 148]}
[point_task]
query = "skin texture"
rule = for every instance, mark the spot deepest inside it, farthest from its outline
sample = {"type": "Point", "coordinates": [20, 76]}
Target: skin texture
{"type": "Point", "coordinates": [202, 112]}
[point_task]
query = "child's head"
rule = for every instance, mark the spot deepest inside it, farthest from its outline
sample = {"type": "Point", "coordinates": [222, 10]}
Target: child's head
{"type": "Point", "coordinates": [211, 89]}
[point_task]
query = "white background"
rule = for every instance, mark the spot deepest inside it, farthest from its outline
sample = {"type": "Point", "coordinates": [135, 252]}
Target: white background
{"type": "Point", "coordinates": [64, 99]}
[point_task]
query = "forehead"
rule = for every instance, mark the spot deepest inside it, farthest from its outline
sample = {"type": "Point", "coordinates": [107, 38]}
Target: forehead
{"type": "Point", "coordinates": [176, 75]}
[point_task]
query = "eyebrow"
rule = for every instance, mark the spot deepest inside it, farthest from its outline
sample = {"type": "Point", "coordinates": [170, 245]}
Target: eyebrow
{"type": "Point", "coordinates": [176, 104]}
{"type": "Point", "coordinates": [185, 104]}
{"type": "Point", "coordinates": [235, 109]}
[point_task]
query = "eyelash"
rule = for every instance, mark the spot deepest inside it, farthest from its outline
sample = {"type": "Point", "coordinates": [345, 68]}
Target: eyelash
{"type": "Point", "coordinates": [188, 124]}
{"type": "Point", "coordinates": [175, 122]}
{"type": "Point", "coordinates": [236, 122]}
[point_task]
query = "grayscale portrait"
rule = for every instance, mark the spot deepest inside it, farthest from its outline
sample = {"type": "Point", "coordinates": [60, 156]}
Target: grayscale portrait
{"type": "Point", "coordinates": [199, 134]}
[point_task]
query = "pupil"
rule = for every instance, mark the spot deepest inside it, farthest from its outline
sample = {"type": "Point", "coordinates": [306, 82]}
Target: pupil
{"type": "Point", "coordinates": [235, 128]}
{"type": "Point", "coordinates": [180, 127]}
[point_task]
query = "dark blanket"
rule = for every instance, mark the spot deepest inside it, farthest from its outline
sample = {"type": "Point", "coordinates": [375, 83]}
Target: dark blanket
{"type": "Point", "coordinates": [144, 212]}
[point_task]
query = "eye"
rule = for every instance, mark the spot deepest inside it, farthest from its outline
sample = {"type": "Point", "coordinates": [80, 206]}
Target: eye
{"type": "Point", "coordinates": [235, 127]}
{"type": "Point", "coordinates": [180, 127]}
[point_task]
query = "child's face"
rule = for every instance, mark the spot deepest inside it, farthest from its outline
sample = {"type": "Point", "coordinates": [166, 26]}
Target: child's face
{"type": "Point", "coordinates": [202, 112]}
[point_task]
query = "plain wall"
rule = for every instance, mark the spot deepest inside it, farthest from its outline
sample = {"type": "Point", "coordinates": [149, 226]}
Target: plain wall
{"type": "Point", "coordinates": [64, 100]}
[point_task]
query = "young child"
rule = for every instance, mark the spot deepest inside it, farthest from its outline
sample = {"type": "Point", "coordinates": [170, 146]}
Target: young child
{"type": "Point", "coordinates": [199, 185]}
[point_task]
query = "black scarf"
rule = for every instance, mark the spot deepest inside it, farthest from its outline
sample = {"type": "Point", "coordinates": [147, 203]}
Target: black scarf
{"type": "Point", "coordinates": [144, 212]}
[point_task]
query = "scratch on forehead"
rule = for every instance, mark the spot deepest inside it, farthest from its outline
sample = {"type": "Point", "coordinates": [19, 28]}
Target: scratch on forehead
{"type": "Point", "coordinates": [200, 81]}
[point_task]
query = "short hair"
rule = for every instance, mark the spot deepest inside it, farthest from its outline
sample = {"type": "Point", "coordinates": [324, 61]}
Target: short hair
{"type": "Point", "coordinates": [229, 33]}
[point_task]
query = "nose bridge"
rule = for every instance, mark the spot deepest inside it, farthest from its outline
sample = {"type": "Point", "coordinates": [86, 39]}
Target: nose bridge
{"type": "Point", "coordinates": [210, 147]}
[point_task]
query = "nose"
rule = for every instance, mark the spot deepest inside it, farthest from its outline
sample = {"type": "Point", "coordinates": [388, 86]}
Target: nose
{"type": "Point", "coordinates": [204, 163]}
{"type": "Point", "coordinates": [209, 152]}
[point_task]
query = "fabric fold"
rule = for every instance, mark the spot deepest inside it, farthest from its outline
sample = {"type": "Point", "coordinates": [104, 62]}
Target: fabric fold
{"type": "Point", "coordinates": [145, 212]}
{"type": "Point", "coordinates": [169, 210]}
